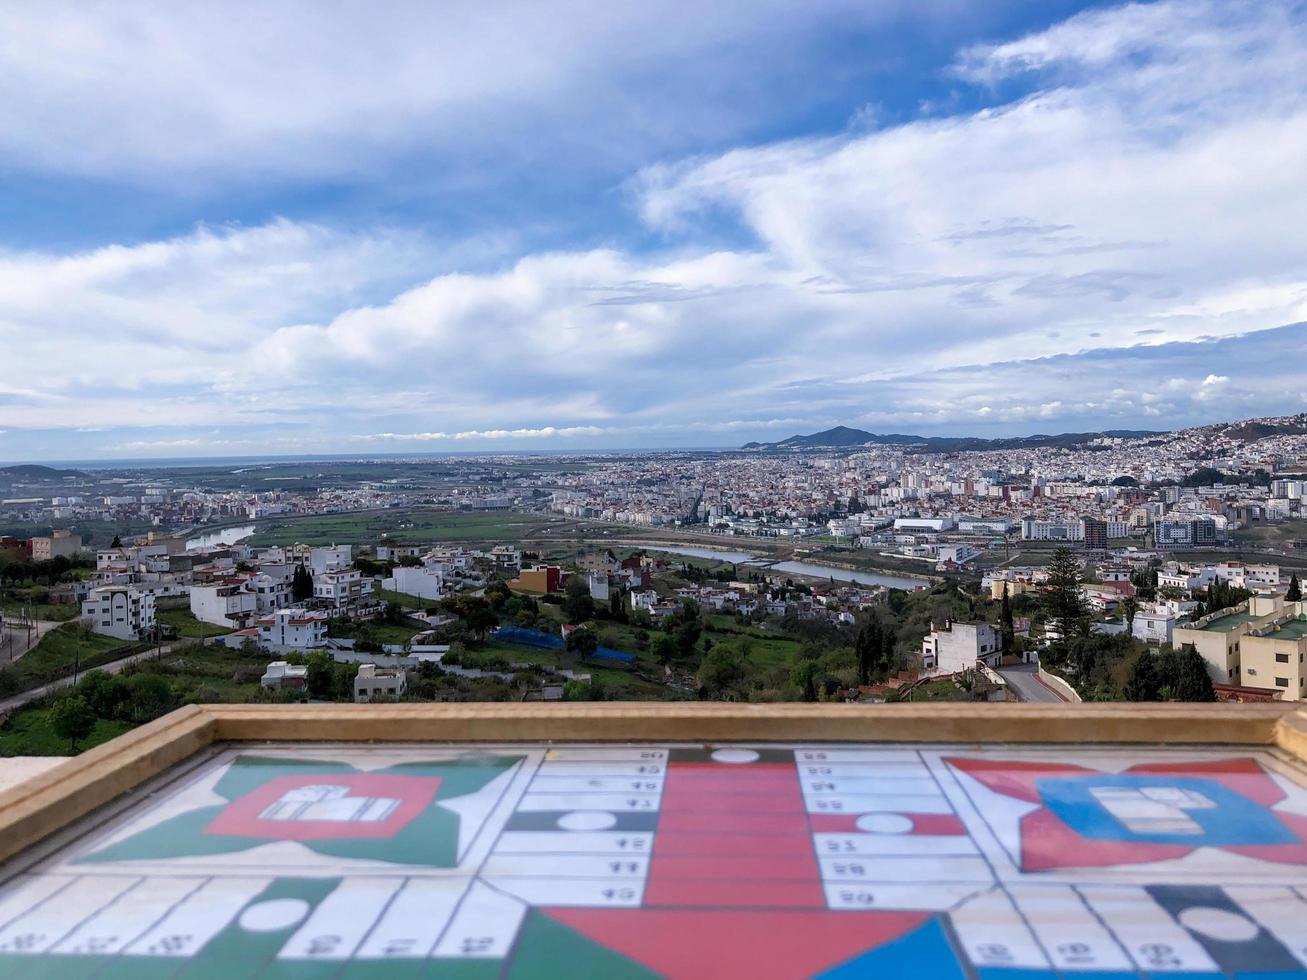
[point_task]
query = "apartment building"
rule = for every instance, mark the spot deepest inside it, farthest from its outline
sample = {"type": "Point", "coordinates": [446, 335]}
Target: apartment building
{"type": "Point", "coordinates": [229, 603]}
{"type": "Point", "coordinates": [1218, 637]}
{"type": "Point", "coordinates": [292, 629]}
{"type": "Point", "coordinates": [121, 612]}
{"type": "Point", "coordinates": [1272, 656]}
{"type": "Point", "coordinates": [341, 587]}
{"type": "Point", "coordinates": [61, 544]}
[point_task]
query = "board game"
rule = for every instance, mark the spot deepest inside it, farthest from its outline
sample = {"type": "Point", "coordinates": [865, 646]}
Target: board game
{"type": "Point", "coordinates": [686, 862]}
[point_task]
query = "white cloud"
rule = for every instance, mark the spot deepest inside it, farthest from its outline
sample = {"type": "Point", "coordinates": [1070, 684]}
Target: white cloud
{"type": "Point", "coordinates": [1117, 204]}
{"type": "Point", "coordinates": [245, 89]}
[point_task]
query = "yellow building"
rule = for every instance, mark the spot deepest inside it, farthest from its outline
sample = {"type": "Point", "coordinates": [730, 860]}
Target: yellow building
{"type": "Point", "coordinates": [1273, 657]}
{"type": "Point", "coordinates": [1258, 643]}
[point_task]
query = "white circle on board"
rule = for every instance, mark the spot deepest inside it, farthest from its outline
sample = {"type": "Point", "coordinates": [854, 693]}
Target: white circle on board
{"type": "Point", "coordinates": [735, 755]}
{"type": "Point", "coordinates": [1219, 924]}
{"type": "Point", "coordinates": [274, 914]}
{"type": "Point", "coordinates": [884, 823]}
{"type": "Point", "coordinates": [587, 820]}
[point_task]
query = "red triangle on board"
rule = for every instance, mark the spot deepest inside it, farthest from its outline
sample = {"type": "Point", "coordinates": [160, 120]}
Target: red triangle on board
{"type": "Point", "coordinates": [704, 944]}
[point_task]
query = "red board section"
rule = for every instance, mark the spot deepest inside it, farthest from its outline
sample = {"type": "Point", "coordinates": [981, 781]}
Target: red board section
{"type": "Point", "coordinates": [242, 818]}
{"type": "Point", "coordinates": [733, 835]}
{"type": "Point", "coordinates": [759, 945]}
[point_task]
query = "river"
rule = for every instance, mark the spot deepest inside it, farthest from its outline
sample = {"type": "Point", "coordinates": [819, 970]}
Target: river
{"type": "Point", "coordinates": [226, 535]}
{"type": "Point", "coordinates": [791, 567]}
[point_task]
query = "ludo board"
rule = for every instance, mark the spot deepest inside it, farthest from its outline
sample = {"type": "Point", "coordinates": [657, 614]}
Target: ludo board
{"type": "Point", "coordinates": [645, 861]}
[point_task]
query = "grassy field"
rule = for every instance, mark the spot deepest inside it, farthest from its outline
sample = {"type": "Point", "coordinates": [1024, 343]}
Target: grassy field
{"type": "Point", "coordinates": [187, 625]}
{"type": "Point", "coordinates": [59, 613]}
{"type": "Point", "coordinates": [401, 526]}
{"type": "Point", "coordinates": [30, 733]}
{"type": "Point", "coordinates": [61, 647]}
{"type": "Point", "coordinates": [404, 599]}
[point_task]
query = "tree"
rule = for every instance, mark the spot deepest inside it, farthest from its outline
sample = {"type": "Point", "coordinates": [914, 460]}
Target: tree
{"type": "Point", "coordinates": [149, 696]}
{"type": "Point", "coordinates": [1064, 602]}
{"type": "Point", "coordinates": [720, 671]}
{"type": "Point", "coordinates": [1184, 676]}
{"type": "Point", "coordinates": [481, 619]}
{"type": "Point", "coordinates": [577, 604]}
{"type": "Point", "coordinates": [72, 718]}
{"type": "Point", "coordinates": [105, 693]}
{"type": "Point", "coordinates": [117, 542]}
{"type": "Point", "coordinates": [1295, 590]}
{"type": "Point", "coordinates": [663, 648]}
{"type": "Point", "coordinates": [1006, 628]}
{"type": "Point", "coordinates": [1130, 609]}
{"type": "Point", "coordinates": [301, 584]}
{"type": "Point", "coordinates": [582, 642]}
{"type": "Point", "coordinates": [1144, 684]}
{"type": "Point", "coordinates": [803, 675]}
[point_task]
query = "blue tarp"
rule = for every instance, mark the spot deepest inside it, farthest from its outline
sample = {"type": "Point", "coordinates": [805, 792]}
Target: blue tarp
{"type": "Point", "coordinates": [548, 641]}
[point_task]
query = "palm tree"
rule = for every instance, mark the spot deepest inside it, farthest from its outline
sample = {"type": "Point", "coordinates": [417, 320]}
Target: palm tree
{"type": "Point", "coordinates": [1130, 608]}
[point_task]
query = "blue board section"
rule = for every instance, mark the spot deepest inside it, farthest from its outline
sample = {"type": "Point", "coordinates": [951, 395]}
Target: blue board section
{"type": "Point", "coordinates": [1226, 818]}
{"type": "Point", "coordinates": [924, 952]}
{"type": "Point", "coordinates": [548, 641]}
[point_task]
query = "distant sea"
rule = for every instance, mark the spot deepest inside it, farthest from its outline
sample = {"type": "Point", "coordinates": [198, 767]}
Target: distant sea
{"type": "Point", "coordinates": [206, 462]}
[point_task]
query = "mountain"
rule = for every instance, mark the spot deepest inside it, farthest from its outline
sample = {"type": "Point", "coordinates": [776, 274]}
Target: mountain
{"type": "Point", "coordinates": [843, 437]}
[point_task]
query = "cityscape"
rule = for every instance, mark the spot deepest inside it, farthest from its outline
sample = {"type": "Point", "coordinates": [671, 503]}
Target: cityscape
{"type": "Point", "coordinates": [835, 566]}
{"type": "Point", "coordinates": [651, 491]}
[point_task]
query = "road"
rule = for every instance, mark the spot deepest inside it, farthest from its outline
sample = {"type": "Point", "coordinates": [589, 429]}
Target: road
{"type": "Point", "coordinates": [14, 642]}
{"type": "Point", "coordinates": [113, 667]}
{"type": "Point", "coordinates": [1024, 680]}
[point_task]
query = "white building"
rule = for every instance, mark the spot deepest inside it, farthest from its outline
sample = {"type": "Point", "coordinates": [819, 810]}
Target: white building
{"type": "Point", "coordinates": [283, 676]}
{"type": "Point", "coordinates": [1052, 530]}
{"type": "Point", "coordinates": [1155, 626]}
{"type": "Point", "coordinates": [342, 587]}
{"type": "Point", "coordinates": [271, 590]}
{"type": "Point", "coordinates": [425, 583]}
{"type": "Point", "coordinates": [644, 600]}
{"type": "Point", "coordinates": [959, 554]}
{"type": "Point", "coordinates": [292, 629]}
{"type": "Point", "coordinates": [923, 525]}
{"type": "Point", "coordinates": [229, 603]}
{"type": "Point", "coordinates": [120, 611]}
{"type": "Point", "coordinates": [326, 558]}
{"type": "Point", "coordinates": [377, 682]}
{"type": "Point", "coordinates": [599, 589]}
{"type": "Point", "coordinates": [960, 646]}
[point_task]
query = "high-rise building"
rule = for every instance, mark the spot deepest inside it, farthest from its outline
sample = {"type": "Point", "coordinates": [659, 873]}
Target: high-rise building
{"type": "Point", "coordinates": [1095, 534]}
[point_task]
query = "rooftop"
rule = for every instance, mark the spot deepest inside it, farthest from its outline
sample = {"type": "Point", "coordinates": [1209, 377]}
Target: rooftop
{"type": "Point", "coordinates": [1227, 624]}
{"type": "Point", "coordinates": [777, 841]}
{"type": "Point", "coordinates": [1293, 629]}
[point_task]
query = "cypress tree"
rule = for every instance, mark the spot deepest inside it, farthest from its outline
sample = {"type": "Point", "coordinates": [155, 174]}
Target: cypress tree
{"type": "Point", "coordinates": [1006, 628]}
{"type": "Point", "coordinates": [1295, 590]}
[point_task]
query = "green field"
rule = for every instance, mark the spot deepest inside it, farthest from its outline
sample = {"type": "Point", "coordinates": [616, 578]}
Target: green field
{"type": "Point", "coordinates": [61, 648]}
{"type": "Point", "coordinates": [29, 733]}
{"type": "Point", "coordinates": [59, 613]}
{"type": "Point", "coordinates": [187, 625]}
{"type": "Point", "coordinates": [402, 527]}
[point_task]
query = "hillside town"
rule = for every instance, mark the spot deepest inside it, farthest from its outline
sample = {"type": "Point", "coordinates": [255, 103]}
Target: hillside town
{"type": "Point", "coordinates": [857, 573]}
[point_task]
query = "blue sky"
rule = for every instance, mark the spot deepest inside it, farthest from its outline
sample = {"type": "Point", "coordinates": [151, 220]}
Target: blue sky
{"type": "Point", "coordinates": [239, 228]}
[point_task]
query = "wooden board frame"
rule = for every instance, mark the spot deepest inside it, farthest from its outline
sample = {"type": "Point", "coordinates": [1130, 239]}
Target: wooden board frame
{"type": "Point", "coordinates": [51, 801]}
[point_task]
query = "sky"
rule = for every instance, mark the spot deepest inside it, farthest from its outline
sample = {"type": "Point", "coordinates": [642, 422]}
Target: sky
{"type": "Point", "coordinates": [317, 226]}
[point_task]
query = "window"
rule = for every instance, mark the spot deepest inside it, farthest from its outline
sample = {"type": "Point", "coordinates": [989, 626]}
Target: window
{"type": "Point", "coordinates": [1281, 682]}
{"type": "Point", "coordinates": [1281, 658]}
